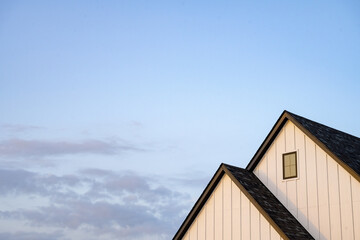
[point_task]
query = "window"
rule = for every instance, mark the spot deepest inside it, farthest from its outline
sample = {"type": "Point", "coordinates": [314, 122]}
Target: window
{"type": "Point", "coordinates": [289, 165]}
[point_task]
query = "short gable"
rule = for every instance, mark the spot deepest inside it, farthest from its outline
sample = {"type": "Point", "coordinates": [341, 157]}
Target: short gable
{"type": "Point", "coordinates": [229, 214]}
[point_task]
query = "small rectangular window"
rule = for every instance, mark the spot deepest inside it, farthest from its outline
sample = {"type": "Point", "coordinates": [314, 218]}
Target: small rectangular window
{"type": "Point", "coordinates": [289, 165]}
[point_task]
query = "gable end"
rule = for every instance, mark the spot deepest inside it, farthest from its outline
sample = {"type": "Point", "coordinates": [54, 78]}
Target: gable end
{"type": "Point", "coordinates": [259, 196]}
{"type": "Point", "coordinates": [342, 147]}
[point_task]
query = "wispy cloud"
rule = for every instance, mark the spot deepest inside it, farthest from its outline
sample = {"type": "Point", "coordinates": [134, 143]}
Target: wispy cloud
{"type": "Point", "coordinates": [20, 182]}
{"type": "Point", "coordinates": [22, 235]}
{"type": "Point", "coordinates": [109, 204]}
{"type": "Point", "coordinates": [42, 148]}
{"type": "Point", "coordinates": [135, 123]}
{"type": "Point", "coordinates": [19, 128]}
{"type": "Point", "coordinates": [191, 181]}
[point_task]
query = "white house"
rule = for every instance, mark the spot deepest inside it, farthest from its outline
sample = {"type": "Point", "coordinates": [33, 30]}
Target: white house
{"type": "Point", "coordinates": [302, 183]}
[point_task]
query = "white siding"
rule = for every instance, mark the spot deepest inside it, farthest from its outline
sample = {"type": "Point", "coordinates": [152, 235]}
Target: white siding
{"type": "Point", "coordinates": [229, 214]}
{"type": "Point", "coordinates": [210, 218]}
{"type": "Point", "coordinates": [218, 211]}
{"type": "Point", "coordinates": [201, 226]}
{"type": "Point", "coordinates": [236, 212]}
{"type": "Point", "coordinates": [324, 197]}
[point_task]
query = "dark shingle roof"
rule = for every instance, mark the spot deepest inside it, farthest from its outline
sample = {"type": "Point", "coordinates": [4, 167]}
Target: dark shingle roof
{"type": "Point", "coordinates": [345, 146]}
{"type": "Point", "coordinates": [269, 203]}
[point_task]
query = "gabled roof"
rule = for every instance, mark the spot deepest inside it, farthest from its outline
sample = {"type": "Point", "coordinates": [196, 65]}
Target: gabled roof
{"type": "Point", "coordinates": [271, 208]}
{"type": "Point", "coordinates": [343, 147]}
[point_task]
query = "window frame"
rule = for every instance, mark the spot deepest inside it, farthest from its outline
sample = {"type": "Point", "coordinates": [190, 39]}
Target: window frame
{"type": "Point", "coordinates": [283, 165]}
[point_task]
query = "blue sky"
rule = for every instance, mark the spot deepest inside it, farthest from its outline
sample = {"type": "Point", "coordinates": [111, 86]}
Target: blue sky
{"type": "Point", "coordinates": [115, 114]}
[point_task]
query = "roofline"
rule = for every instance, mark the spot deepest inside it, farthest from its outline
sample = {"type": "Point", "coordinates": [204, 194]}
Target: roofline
{"type": "Point", "coordinates": [284, 117]}
{"type": "Point", "coordinates": [205, 196]}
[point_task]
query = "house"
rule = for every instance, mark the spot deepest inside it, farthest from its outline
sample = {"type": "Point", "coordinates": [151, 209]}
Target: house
{"type": "Point", "coordinates": [302, 183]}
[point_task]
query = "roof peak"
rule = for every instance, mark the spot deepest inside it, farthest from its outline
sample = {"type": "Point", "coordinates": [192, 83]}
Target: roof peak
{"type": "Point", "coordinates": [343, 147]}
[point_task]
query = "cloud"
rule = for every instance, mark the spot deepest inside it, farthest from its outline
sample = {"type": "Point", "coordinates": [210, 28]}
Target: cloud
{"type": "Point", "coordinates": [19, 128]}
{"type": "Point", "coordinates": [135, 123]}
{"type": "Point", "coordinates": [191, 181]}
{"type": "Point", "coordinates": [22, 235]}
{"type": "Point", "coordinates": [108, 204]}
{"type": "Point", "coordinates": [99, 215]}
{"type": "Point", "coordinates": [22, 182]}
{"type": "Point", "coordinates": [39, 148]}
{"type": "Point", "coordinates": [99, 218]}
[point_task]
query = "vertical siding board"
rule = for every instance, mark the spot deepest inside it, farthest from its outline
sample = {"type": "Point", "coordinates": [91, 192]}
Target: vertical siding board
{"type": "Point", "coordinates": [274, 234]}
{"type": "Point", "coordinates": [356, 205]}
{"type": "Point", "coordinates": [186, 236]}
{"type": "Point", "coordinates": [235, 211]}
{"type": "Point", "coordinates": [312, 188]}
{"type": "Point", "coordinates": [201, 230]}
{"type": "Point", "coordinates": [335, 217]}
{"type": "Point", "coordinates": [265, 229]}
{"type": "Point", "coordinates": [280, 149]}
{"type": "Point", "coordinates": [291, 197]}
{"type": "Point", "coordinates": [210, 218]}
{"type": "Point", "coordinates": [245, 217]}
{"type": "Point", "coordinates": [271, 158]}
{"type": "Point", "coordinates": [262, 170]}
{"type": "Point", "coordinates": [290, 137]}
{"type": "Point", "coordinates": [218, 210]}
{"type": "Point", "coordinates": [254, 222]}
{"type": "Point", "coordinates": [345, 204]}
{"type": "Point", "coordinates": [227, 221]}
{"type": "Point", "coordinates": [301, 182]}
{"type": "Point", "coordinates": [193, 231]}
{"type": "Point", "coordinates": [323, 195]}
{"type": "Point", "coordinates": [290, 184]}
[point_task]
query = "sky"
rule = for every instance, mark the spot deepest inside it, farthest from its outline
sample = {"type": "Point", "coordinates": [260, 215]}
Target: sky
{"type": "Point", "coordinates": [114, 115]}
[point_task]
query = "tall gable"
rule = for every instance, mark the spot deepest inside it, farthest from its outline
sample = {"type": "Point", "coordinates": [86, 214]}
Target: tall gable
{"type": "Point", "coordinates": [325, 194]}
{"type": "Point", "coordinates": [343, 147]}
